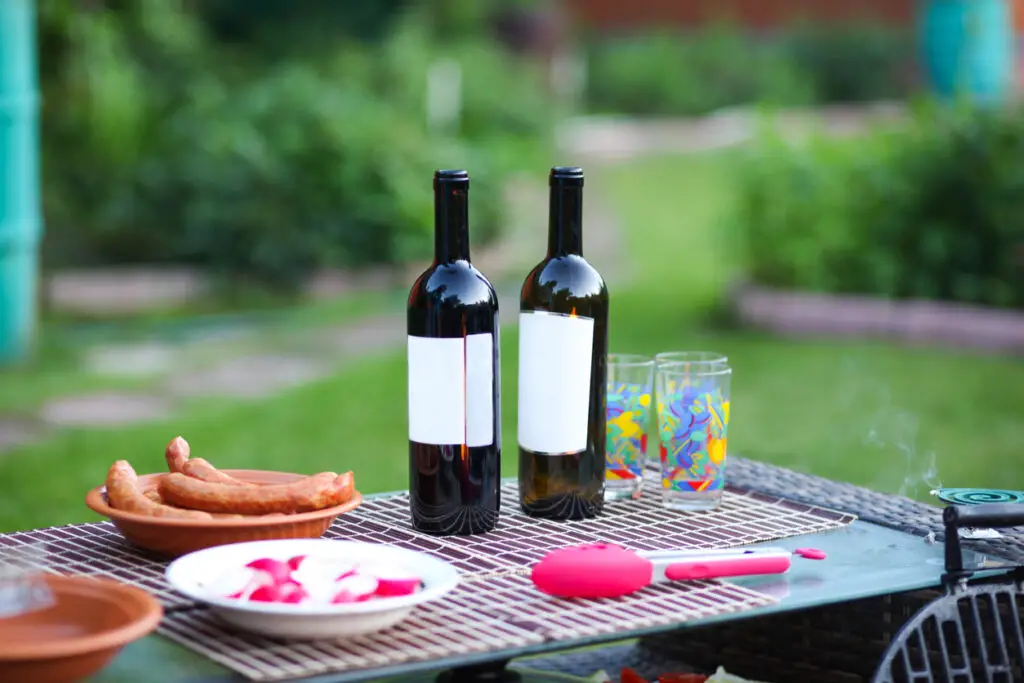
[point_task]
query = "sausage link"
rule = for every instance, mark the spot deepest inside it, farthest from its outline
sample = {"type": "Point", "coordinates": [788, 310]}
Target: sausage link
{"type": "Point", "coordinates": [123, 494]}
{"type": "Point", "coordinates": [198, 468]}
{"type": "Point", "coordinates": [317, 492]}
{"type": "Point", "coordinates": [176, 454]}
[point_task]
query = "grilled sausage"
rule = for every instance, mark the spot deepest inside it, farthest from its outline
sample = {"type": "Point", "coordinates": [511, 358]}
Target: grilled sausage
{"type": "Point", "coordinates": [198, 468]}
{"type": "Point", "coordinates": [176, 454]}
{"type": "Point", "coordinates": [123, 494]}
{"type": "Point", "coordinates": [317, 492]}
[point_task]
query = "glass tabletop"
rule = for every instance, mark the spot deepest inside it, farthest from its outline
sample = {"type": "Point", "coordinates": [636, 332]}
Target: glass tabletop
{"type": "Point", "coordinates": [863, 560]}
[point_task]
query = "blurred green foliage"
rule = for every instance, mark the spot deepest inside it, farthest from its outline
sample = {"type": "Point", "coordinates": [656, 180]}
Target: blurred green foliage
{"type": "Point", "coordinates": [852, 62]}
{"type": "Point", "coordinates": [931, 210]}
{"type": "Point", "coordinates": [694, 73]}
{"type": "Point", "coordinates": [174, 135]}
{"type": "Point", "coordinates": [671, 74]}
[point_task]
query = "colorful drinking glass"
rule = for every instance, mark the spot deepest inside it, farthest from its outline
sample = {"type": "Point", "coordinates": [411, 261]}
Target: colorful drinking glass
{"type": "Point", "coordinates": [693, 420]}
{"type": "Point", "coordinates": [630, 389]}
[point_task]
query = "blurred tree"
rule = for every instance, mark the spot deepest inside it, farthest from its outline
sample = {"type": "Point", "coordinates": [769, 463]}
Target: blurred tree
{"type": "Point", "coordinates": [283, 22]}
{"type": "Point", "coordinates": [262, 141]}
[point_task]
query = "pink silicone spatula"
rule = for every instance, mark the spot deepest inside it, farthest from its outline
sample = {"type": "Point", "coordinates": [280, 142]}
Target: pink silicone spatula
{"type": "Point", "coordinates": [602, 570]}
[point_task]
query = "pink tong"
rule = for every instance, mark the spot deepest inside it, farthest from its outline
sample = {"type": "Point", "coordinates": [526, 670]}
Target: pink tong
{"type": "Point", "coordinates": [602, 570]}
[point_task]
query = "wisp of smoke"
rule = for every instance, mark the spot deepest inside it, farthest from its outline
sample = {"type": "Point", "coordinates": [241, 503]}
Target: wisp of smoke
{"type": "Point", "coordinates": [898, 428]}
{"type": "Point", "coordinates": [884, 426]}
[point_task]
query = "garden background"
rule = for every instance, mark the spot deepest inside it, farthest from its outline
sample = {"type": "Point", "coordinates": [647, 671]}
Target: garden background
{"type": "Point", "coordinates": [236, 198]}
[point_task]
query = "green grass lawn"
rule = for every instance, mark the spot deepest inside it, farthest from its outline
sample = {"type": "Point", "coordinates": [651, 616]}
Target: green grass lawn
{"type": "Point", "coordinates": [865, 412]}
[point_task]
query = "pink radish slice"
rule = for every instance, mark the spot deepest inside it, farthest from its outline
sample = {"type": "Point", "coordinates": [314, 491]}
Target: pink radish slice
{"type": "Point", "coordinates": [321, 591]}
{"type": "Point", "coordinates": [357, 588]}
{"type": "Point", "coordinates": [318, 575]}
{"type": "Point", "coordinates": [278, 570]}
{"type": "Point", "coordinates": [269, 593]}
{"type": "Point", "coordinates": [397, 582]}
{"type": "Point", "coordinates": [240, 583]}
{"type": "Point", "coordinates": [291, 593]}
{"type": "Point", "coordinates": [351, 571]}
{"type": "Point", "coordinates": [286, 591]}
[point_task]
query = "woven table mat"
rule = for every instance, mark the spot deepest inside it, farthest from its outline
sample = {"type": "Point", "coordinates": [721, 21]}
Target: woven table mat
{"type": "Point", "coordinates": [496, 606]}
{"type": "Point", "coordinates": [486, 613]}
{"type": "Point", "coordinates": [518, 541]}
{"type": "Point", "coordinates": [98, 549]}
{"type": "Point", "coordinates": [93, 550]}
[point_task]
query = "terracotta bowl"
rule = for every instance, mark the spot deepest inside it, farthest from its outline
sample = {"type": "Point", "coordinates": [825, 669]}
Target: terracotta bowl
{"type": "Point", "coordinates": [175, 537]}
{"type": "Point", "coordinates": [88, 624]}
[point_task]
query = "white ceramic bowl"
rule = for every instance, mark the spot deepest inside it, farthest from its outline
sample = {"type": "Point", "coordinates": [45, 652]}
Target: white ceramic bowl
{"type": "Point", "coordinates": [192, 574]}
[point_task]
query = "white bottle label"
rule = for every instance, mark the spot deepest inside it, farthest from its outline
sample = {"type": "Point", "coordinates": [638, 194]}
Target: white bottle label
{"type": "Point", "coordinates": [554, 381]}
{"type": "Point", "coordinates": [451, 385]}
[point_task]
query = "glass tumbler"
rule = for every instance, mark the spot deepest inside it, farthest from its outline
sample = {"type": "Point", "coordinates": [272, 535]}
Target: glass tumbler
{"type": "Point", "coordinates": [693, 422]}
{"type": "Point", "coordinates": [630, 389]}
{"type": "Point", "coordinates": [706, 357]}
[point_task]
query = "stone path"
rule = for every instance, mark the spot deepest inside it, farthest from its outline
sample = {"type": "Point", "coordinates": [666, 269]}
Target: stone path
{"type": "Point", "coordinates": [243, 365]}
{"type": "Point", "coordinates": [108, 409]}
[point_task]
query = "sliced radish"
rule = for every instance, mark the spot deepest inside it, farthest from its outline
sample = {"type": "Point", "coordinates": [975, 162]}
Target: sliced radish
{"type": "Point", "coordinates": [317, 576]}
{"type": "Point", "coordinates": [397, 582]}
{"type": "Point", "coordinates": [357, 588]}
{"type": "Point", "coordinates": [279, 571]}
{"type": "Point", "coordinates": [345, 597]}
{"type": "Point", "coordinates": [271, 593]}
{"type": "Point", "coordinates": [352, 570]}
{"type": "Point", "coordinates": [376, 569]}
{"type": "Point", "coordinates": [285, 592]}
{"type": "Point", "coordinates": [291, 593]}
{"type": "Point", "coordinates": [319, 591]}
{"type": "Point", "coordinates": [317, 570]}
{"type": "Point", "coordinates": [303, 578]}
{"type": "Point", "coordinates": [240, 583]}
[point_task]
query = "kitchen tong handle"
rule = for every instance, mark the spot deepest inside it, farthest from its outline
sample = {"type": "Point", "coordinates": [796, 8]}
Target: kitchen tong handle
{"type": "Point", "coordinates": [716, 568]}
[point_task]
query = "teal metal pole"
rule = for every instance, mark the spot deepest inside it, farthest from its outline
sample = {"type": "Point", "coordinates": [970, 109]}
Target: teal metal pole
{"type": "Point", "coordinates": [21, 224]}
{"type": "Point", "coordinates": [968, 48]}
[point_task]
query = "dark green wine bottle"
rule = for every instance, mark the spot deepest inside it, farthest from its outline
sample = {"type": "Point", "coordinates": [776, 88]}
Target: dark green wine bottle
{"type": "Point", "coordinates": [563, 358]}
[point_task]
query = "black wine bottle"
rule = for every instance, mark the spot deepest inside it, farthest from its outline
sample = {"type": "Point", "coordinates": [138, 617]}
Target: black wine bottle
{"type": "Point", "coordinates": [563, 357]}
{"type": "Point", "coordinates": [454, 385]}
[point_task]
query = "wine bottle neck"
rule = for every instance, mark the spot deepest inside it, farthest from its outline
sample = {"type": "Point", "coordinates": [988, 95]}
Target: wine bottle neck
{"type": "Point", "coordinates": [565, 229]}
{"type": "Point", "coordinates": [451, 222]}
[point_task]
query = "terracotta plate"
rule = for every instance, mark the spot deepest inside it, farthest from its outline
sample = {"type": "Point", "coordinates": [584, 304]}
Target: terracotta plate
{"type": "Point", "coordinates": [89, 622]}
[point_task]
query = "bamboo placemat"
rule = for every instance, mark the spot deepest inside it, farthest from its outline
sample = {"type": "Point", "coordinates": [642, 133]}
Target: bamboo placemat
{"type": "Point", "coordinates": [489, 614]}
{"type": "Point", "coordinates": [495, 607]}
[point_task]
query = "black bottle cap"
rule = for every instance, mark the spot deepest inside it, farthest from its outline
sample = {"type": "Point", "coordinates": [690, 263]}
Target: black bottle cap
{"type": "Point", "coordinates": [566, 176]}
{"type": "Point", "coordinates": [453, 177]}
